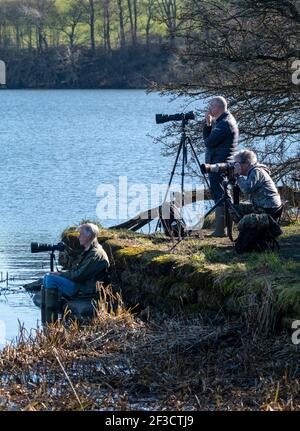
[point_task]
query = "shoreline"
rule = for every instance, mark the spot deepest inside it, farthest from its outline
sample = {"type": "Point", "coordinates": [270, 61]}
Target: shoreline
{"type": "Point", "coordinates": [78, 89]}
{"type": "Point", "coordinates": [210, 360]}
{"type": "Point", "coordinates": [202, 275]}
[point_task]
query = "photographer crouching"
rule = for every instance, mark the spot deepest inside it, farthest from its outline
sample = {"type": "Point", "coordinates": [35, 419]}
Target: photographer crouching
{"type": "Point", "coordinates": [254, 180]}
{"type": "Point", "coordinates": [92, 267]}
{"type": "Point", "coordinates": [258, 226]}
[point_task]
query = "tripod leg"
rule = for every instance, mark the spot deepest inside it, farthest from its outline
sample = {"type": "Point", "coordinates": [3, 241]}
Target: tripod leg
{"type": "Point", "coordinates": [184, 162]}
{"type": "Point", "coordinates": [234, 210]}
{"type": "Point", "coordinates": [198, 162]}
{"type": "Point", "coordinates": [220, 202]}
{"type": "Point", "coordinates": [170, 182]}
{"type": "Point", "coordinates": [229, 220]}
{"type": "Point", "coordinates": [228, 223]}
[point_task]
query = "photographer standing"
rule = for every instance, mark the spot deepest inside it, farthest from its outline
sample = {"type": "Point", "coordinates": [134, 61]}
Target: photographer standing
{"type": "Point", "coordinates": [221, 140]}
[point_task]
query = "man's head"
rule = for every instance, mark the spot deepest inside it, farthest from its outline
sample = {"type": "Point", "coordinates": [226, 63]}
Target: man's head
{"type": "Point", "coordinates": [88, 233]}
{"type": "Point", "coordinates": [217, 106]}
{"type": "Point", "coordinates": [246, 160]}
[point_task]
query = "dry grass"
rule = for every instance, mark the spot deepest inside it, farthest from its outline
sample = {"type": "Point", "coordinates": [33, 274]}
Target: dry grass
{"type": "Point", "coordinates": [119, 362]}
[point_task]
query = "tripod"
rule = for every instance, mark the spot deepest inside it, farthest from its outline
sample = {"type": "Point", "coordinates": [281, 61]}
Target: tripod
{"type": "Point", "coordinates": [226, 201]}
{"type": "Point", "coordinates": [52, 260]}
{"type": "Point", "coordinates": [185, 141]}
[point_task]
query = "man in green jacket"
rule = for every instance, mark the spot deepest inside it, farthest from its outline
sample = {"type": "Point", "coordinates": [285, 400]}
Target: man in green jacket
{"type": "Point", "coordinates": [92, 267]}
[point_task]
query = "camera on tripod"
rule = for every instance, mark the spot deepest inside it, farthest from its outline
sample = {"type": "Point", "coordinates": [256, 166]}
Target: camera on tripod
{"type": "Point", "coordinates": [36, 247]}
{"type": "Point", "coordinates": [223, 168]}
{"type": "Point", "coordinates": [41, 248]}
{"type": "Point", "coordinates": [161, 119]}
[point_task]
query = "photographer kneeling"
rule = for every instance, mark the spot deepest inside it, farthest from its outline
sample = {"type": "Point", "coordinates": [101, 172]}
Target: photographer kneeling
{"type": "Point", "coordinates": [92, 267]}
{"type": "Point", "coordinates": [257, 226]}
{"type": "Point", "coordinates": [258, 185]}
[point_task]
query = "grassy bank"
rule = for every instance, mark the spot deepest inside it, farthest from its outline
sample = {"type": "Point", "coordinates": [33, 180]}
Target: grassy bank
{"type": "Point", "coordinates": [207, 275]}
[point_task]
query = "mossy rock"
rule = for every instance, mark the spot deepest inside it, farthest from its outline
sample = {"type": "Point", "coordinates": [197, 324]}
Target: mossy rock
{"type": "Point", "coordinates": [131, 252]}
{"type": "Point", "coordinates": [113, 245]}
{"type": "Point", "coordinates": [128, 257]}
{"type": "Point", "coordinates": [200, 278]}
{"type": "Point", "coordinates": [201, 275]}
{"type": "Point", "coordinates": [138, 288]}
{"type": "Point", "coordinates": [104, 237]}
{"type": "Point", "coordinates": [161, 263]}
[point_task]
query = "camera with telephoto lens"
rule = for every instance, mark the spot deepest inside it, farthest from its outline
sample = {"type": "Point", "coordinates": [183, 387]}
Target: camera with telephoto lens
{"type": "Point", "coordinates": [161, 119]}
{"type": "Point", "coordinates": [41, 248]}
{"type": "Point", "coordinates": [222, 168]}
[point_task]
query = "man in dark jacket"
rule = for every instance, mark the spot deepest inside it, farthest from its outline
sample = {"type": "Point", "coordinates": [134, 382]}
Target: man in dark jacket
{"type": "Point", "coordinates": [221, 140]}
{"type": "Point", "coordinates": [92, 267]}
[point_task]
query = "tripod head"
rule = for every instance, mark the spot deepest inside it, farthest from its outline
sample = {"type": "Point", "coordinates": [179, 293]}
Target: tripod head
{"type": "Point", "coordinates": [228, 181]}
{"type": "Point", "coordinates": [235, 188]}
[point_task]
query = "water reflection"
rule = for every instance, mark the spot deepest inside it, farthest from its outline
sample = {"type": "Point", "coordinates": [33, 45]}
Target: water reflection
{"type": "Point", "coordinates": [16, 306]}
{"type": "Point", "coordinates": [57, 147]}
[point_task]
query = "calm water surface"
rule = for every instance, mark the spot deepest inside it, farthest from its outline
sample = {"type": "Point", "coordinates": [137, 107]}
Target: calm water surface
{"type": "Point", "coordinates": [57, 148]}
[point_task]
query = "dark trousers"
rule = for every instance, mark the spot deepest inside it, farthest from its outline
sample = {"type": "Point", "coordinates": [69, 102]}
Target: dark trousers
{"type": "Point", "coordinates": [216, 189]}
{"type": "Point", "coordinates": [245, 208]}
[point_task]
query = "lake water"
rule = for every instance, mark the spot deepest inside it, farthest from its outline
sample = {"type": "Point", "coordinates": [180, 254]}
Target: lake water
{"type": "Point", "coordinates": [57, 148]}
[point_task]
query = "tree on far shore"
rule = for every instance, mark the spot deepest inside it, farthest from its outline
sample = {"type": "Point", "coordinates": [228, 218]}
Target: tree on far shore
{"type": "Point", "coordinates": [246, 50]}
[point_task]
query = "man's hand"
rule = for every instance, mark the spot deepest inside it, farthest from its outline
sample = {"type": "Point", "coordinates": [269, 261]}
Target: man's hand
{"type": "Point", "coordinates": [237, 169]}
{"type": "Point", "coordinates": [209, 119]}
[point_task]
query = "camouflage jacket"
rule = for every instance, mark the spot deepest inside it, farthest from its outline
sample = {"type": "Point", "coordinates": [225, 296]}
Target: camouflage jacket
{"type": "Point", "coordinates": [260, 187]}
{"type": "Point", "coordinates": [91, 268]}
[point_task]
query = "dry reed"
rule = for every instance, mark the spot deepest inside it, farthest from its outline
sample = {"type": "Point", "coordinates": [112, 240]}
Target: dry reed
{"type": "Point", "coordinates": [119, 362]}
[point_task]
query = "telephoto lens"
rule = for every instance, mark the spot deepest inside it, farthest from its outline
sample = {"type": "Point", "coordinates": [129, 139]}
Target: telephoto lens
{"type": "Point", "coordinates": [223, 168]}
{"type": "Point", "coordinates": [41, 248]}
{"type": "Point", "coordinates": [161, 119]}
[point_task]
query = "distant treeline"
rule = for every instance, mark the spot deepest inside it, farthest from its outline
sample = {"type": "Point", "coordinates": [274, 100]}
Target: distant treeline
{"type": "Point", "coordinates": [88, 43]}
{"type": "Point", "coordinates": [56, 68]}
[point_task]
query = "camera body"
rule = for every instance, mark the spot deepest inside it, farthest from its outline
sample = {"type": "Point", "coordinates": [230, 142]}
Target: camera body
{"type": "Point", "coordinates": [41, 248]}
{"type": "Point", "coordinates": [222, 168]}
{"type": "Point", "coordinates": [161, 119]}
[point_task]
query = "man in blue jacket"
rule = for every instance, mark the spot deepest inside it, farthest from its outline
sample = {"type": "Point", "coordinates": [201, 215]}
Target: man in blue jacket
{"type": "Point", "coordinates": [221, 140]}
